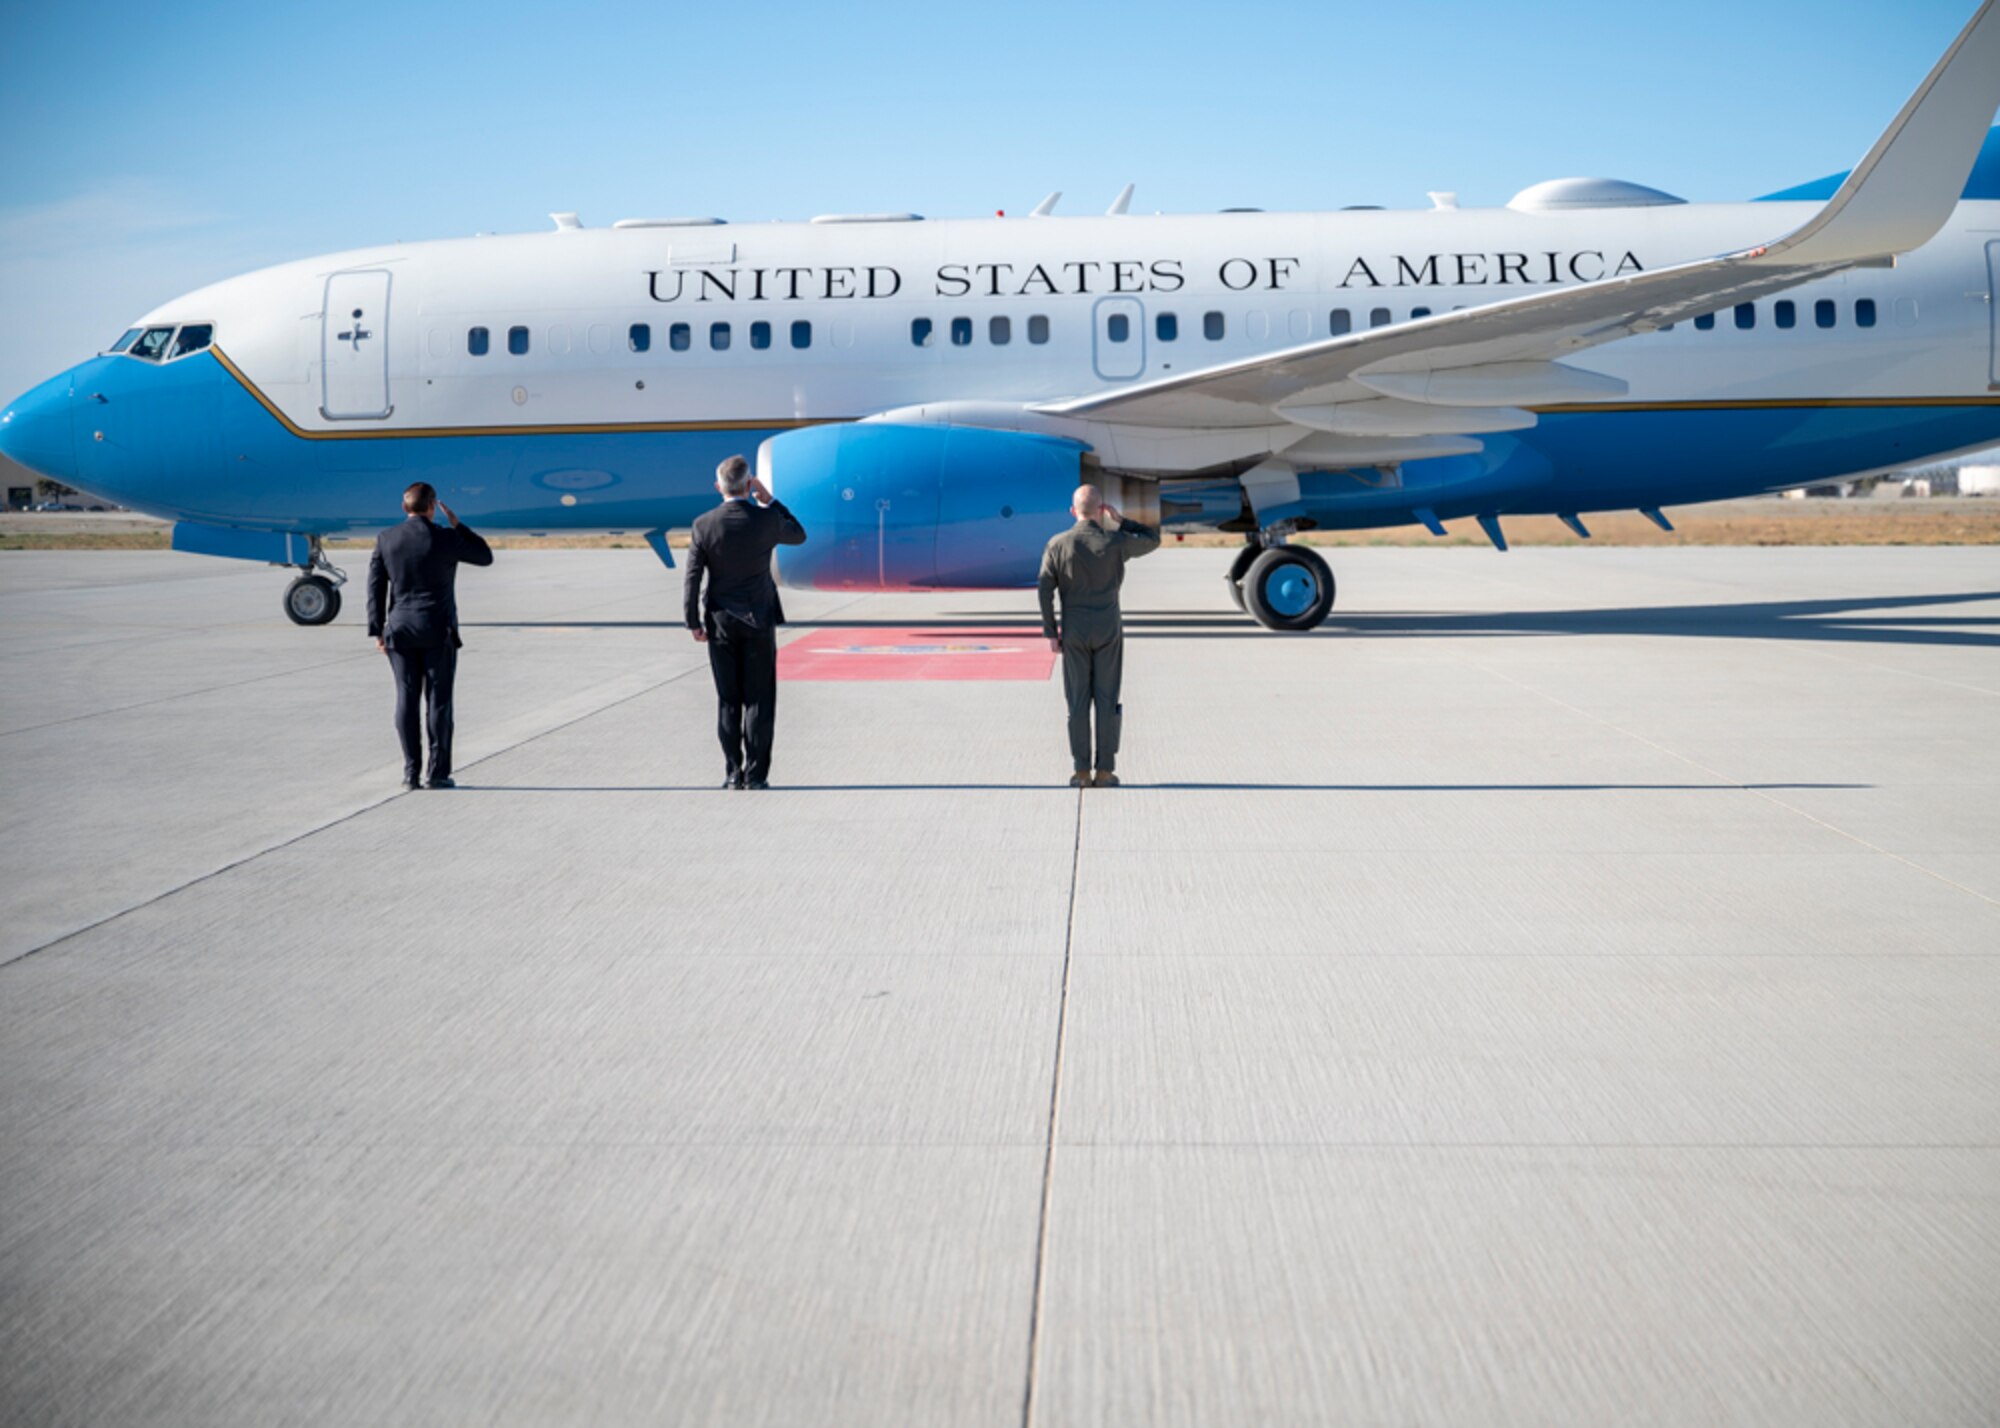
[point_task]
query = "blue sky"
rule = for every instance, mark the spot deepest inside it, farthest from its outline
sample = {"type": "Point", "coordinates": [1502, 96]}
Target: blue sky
{"type": "Point", "coordinates": [152, 148]}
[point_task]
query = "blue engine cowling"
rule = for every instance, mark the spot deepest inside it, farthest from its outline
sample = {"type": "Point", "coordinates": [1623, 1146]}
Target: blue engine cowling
{"type": "Point", "coordinates": [890, 507]}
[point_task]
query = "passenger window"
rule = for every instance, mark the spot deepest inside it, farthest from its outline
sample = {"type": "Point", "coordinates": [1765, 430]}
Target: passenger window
{"type": "Point", "coordinates": [920, 332]}
{"type": "Point", "coordinates": [1038, 330]}
{"type": "Point", "coordinates": [126, 341]}
{"type": "Point", "coordinates": [999, 331]}
{"type": "Point", "coordinates": [1118, 327]}
{"type": "Point", "coordinates": [802, 335]}
{"type": "Point", "coordinates": [639, 337]}
{"type": "Point", "coordinates": [760, 335]}
{"type": "Point", "coordinates": [680, 337]}
{"type": "Point", "coordinates": [1167, 327]}
{"type": "Point", "coordinates": [1417, 312]}
{"type": "Point", "coordinates": [1784, 313]}
{"type": "Point", "coordinates": [961, 332]}
{"type": "Point", "coordinates": [152, 344]}
{"type": "Point", "coordinates": [194, 337]}
{"type": "Point", "coordinates": [1705, 323]}
{"type": "Point", "coordinates": [1823, 313]}
{"type": "Point", "coordinates": [517, 341]}
{"type": "Point", "coordinates": [718, 336]}
{"type": "Point", "coordinates": [1211, 326]}
{"type": "Point", "coordinates": [1340, 322]}
{"type": "Point", "coordinates": [1378, 317]}
{"type": "Point", "coordinates": [477, 341]}
{"type": "Point", "coordinates": [1746, 316]}
{"type": "Point", "coordinates": [1864, 312]}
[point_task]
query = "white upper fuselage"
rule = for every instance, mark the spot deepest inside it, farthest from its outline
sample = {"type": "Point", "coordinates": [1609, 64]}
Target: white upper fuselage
{"type": "Point", "coordinates": [1276, 281]}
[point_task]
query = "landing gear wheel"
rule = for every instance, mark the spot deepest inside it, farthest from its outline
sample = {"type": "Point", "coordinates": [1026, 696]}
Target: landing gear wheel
{"type": "Point", "coordinates": [312, 600]}
{"type": "Point", "coordinates": [1237, 569]}
{"type": "Point", "coordinates": [1288, 588]}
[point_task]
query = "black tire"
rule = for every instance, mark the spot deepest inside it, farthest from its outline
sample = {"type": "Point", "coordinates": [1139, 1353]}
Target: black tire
{"type": "Point", "coordinates": [1288, 588]}
{"type": "Point", "coordinates": [1238, 568]}
{"type": "Point", "coordinates": [312, 600]}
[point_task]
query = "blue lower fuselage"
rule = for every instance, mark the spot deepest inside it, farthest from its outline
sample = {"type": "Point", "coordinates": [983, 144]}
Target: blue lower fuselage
{"type": "Point", "coordinates": [189, 441]}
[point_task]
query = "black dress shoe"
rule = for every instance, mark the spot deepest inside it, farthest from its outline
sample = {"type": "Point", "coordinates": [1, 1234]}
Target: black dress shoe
{"type": "Point", "coordinates": [733, 781]}
{"type": "Point", "coordinates": [410, 785]}
{"type": "Point", "coordinates": [444, 782]}
{"type": "Point", "coordinates": [756, 783]}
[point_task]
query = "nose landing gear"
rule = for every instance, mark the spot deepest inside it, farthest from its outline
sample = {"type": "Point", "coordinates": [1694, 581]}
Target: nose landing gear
{"type": "Point", "coordinates": [1282, 587]}
{"type": "Point", "coordinates": [314, 598]}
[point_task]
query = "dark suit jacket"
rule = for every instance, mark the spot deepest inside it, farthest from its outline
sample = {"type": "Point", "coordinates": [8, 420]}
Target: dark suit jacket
{"type": "Point", "coordinates": [412, 600]}
{"type": "Point", "coordinates": [732, 546]}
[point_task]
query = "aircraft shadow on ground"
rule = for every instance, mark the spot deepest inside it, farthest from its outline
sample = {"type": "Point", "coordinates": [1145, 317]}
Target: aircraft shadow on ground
{"type": "Point", "coordinates": [1174, 786]}
{"type": "Point", "coordinates": [1863, 619]}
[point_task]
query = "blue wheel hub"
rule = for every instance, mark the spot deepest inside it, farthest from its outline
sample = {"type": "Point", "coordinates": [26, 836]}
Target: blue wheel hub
{"type": "Point", "coordinates": [1291, 590]}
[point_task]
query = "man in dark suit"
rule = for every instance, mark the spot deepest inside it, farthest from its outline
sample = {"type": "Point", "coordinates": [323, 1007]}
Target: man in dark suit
{"type": "Point", "coordinates": [413, 619]}
{"type": "Point", "coordinates": [732, 546]}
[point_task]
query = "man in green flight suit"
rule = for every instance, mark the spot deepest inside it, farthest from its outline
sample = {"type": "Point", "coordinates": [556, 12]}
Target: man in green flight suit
{"type": "Point", "coordinates": [1087, 564]}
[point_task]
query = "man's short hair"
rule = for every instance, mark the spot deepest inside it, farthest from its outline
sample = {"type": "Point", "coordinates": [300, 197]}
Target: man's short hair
{"type": "Point", "coordinates": [734, 476]}
{"type": "Point", "coordinates": [419, 496]}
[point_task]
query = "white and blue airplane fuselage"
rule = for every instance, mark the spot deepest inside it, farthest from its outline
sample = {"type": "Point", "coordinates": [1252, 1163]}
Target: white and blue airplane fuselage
{"type": "Point", "coordinates": [925, 394]}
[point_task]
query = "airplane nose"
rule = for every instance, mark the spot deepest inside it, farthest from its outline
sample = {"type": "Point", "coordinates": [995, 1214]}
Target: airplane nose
{"type": "Point", "coordinates": [35, 431]}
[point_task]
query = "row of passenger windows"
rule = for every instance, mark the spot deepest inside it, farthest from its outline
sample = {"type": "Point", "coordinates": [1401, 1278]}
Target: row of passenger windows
{"type": "Point", "coordinates": [1000, 330]}
{"type": "Point", "coordinates": [1785, 313]}
{"type": "Point", "coordinates": [639, 337]}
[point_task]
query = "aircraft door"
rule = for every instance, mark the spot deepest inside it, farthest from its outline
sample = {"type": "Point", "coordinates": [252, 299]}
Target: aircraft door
{"type": "Point", "coordinates": [354, 347]}
{"type": "Point", "coordinates": [1993, 317]}
{"type": "Point", "coordinates": [1118, 344]}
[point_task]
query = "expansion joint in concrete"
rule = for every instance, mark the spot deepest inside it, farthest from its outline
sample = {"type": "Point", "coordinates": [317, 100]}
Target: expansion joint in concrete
{"type": "Point", "coordinates": [1036, 1310]}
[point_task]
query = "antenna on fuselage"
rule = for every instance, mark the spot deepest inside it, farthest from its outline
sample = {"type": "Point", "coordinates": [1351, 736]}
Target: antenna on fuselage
{"type": "Point", "coordinates": [566, 222]}
{"type": "Point", "coordinates": [1120, 203]}
{"type": "Point", "coordinates": [1047, 205]}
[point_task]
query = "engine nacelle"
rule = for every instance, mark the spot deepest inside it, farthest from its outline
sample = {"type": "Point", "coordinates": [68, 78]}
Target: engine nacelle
{"type": "Point", "coordinates": [889, 507]}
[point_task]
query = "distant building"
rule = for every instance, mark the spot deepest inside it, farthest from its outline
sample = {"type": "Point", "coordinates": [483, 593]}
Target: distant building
{"type": "Point", "coordinates": [1979, 480]}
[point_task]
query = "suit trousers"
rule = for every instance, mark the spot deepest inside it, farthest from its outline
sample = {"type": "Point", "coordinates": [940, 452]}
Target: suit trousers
{"type": "Point", "coordinates": [1093, 670]}
{"type": "Point", "coordinates": [424, 676]}
{"type": "Point", "coordinates": [745, 665]}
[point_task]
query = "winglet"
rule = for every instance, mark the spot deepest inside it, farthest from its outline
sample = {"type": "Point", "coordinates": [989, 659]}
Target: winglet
{"type": "Point", "coordinates": [1904, 190]}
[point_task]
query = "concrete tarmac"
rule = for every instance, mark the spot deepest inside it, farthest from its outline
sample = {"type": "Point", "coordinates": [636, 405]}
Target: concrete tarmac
{"type": "Point", "coordinates": [1563, 990]}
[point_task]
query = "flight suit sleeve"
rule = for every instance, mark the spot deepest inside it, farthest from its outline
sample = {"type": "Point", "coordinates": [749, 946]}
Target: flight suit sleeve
{"type": "Point", "coordinates": [697, 563]}
{"type": "Point", "coordinates": [1139, 540]}
{"type": "Point", "coordinates": [1046, 589]}
{"type": "Point", "coordinates": [472, 547]}
{"type": "Point", "coordinates": [378, 593]}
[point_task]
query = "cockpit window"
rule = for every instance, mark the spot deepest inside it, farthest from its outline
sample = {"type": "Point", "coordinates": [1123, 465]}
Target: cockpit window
{"type": "Point", "coordinates": [152, 343]}
{"type": "Point", "coordinates": [194, 337]}
{"type": "Point", "coordinates": [126, 341]}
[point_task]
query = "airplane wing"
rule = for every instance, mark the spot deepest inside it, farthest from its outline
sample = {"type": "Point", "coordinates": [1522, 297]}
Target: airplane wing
{"type": "Point", "coordinates": [1486, 361]}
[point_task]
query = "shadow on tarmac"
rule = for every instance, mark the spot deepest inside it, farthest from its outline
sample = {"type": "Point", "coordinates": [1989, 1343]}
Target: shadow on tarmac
{"type": "Point", "coordinates": [1854, 619]}
{"type": "Point", "coordinates": [1171, 787]}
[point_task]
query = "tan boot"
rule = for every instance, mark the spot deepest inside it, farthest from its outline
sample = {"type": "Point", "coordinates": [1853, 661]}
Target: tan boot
{"type": "Point", "coordinates": [1079, 780]}
{"type": "Point", "coordinates": [1104, 780]}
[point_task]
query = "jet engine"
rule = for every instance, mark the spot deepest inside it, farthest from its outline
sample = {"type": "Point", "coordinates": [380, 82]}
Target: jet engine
{"type": "Point", "coordinates": [912, 507]}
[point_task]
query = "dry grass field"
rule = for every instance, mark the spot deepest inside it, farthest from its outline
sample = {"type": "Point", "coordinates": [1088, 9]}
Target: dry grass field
{"type": "Point", "coordinates": [1761, 521]}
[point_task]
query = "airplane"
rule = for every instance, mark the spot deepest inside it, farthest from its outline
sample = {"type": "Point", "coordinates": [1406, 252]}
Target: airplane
{"type": "Point", "coordinates": [925, 395]}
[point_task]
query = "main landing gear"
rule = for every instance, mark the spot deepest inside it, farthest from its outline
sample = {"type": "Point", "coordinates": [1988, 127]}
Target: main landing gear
{"type": "Point", "coordinates": [1281, 587]}
{"type": "Point", "coordinates": [314, 598]}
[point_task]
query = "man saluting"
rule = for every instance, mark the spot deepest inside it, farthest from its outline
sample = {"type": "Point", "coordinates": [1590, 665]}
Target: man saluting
{"type": "Point", "coordinates": [413, 617]}
{"type": "Point", "coordinates": [1087, 564]}
{"type": "Point", "coordinates": [732, 546]}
